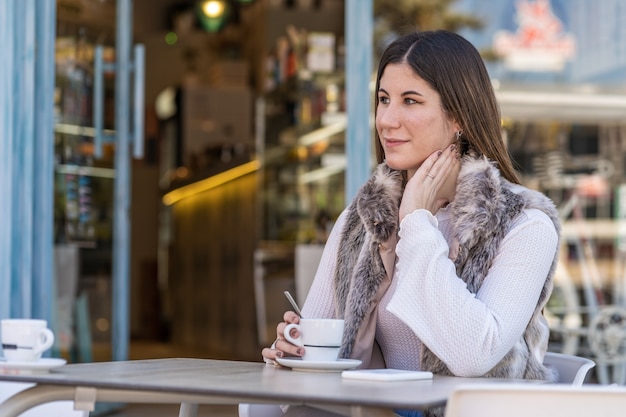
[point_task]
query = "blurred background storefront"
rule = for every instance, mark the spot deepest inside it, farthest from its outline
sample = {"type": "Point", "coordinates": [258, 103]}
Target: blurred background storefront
{"type": "Point", "coordinates": [559, 72]}
{"type": "Point", "coordinates": [244, 163]}
{"type": "Point", "coordinates": [243, 160]}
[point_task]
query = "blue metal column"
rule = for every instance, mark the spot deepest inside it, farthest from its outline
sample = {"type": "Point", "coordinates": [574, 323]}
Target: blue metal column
{"type": "Point", "coordinates": [26, 157]}
{"type": "Point", "coordinates": [121, 213]}
{"type": "Point", "coordinates": [7, 34]}
{"type": "Point", "coordinates": [23, 151]}
{"type": "Point", "coordinates": [359, 38]}
{"type": "Point", "coordinates": [43, 198]}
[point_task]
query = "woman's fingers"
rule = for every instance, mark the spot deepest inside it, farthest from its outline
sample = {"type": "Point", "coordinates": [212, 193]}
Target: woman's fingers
{"type": "Point", "coordinates": [423, 189]}
{"type": "Point", "coordinates": [291, 317]}
{"type": "Point", "coordinates": [428, 165]}
{"type": "Point", "coordinates": [270, 355]}
{"type": "Point", "coordinates": [286, 348]}
{"type": "Point", "coordinates": [282, 347]}
{"type": "Point", "coordinates": [440, 162]}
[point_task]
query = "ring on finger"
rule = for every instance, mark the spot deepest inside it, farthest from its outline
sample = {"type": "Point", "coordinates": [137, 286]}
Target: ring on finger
{"type": "Point", "coordinates": [430, 176]}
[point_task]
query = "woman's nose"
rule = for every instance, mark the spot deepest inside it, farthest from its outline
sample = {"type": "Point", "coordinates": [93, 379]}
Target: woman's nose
{"type": "Point", "coordinates": [388, 118]}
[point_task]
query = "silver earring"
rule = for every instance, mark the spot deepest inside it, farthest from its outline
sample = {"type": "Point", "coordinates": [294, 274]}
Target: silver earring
{"type": "Point", "coordinates": [458, 134]}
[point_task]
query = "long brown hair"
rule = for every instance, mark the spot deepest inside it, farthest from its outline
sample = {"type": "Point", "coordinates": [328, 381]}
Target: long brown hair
{"type": "Point", "coordinates": [454, 68]}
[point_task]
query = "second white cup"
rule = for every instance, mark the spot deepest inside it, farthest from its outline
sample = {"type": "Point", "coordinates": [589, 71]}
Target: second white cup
{"type": "Point", "coordinates": [321, 338]}
{"type": "Point", "coordinates": [24, 340]}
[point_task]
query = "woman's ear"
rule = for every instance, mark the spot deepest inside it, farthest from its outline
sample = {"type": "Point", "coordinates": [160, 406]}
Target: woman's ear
{"type": "Point", "coordinates": [454, 133]}
{"type": "Point", "coordinates": [456, 127]}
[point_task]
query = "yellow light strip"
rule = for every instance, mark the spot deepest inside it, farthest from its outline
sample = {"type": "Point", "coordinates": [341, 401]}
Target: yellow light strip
{"type": "Point", "coordinates": [211, 182]}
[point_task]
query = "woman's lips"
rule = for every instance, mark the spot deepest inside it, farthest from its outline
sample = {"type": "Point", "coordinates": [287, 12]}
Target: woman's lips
{"type": "Point", "coordinates": [390, 143]}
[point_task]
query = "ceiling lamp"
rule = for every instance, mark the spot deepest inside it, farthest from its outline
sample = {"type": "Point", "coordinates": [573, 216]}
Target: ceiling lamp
{"type": "Point", "coordinates": [213, 14]}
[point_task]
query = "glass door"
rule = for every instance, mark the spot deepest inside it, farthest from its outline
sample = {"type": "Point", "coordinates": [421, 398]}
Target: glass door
{"type": "Point", "coordinates": [83, 198]}
{"type": "Point", "coordinates": [93, 121]}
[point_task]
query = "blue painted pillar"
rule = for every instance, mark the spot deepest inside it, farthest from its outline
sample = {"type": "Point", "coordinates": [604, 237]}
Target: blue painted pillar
{"type": "Point", "coordinates": [43, 199]}
{"type": "Point", "coordinates": [26, 157]}
{"type": "Point", "coordinates": [7, 27]}
{"type": "Point", "coordinates": [121, 213]}
{"type": "Point", "coordinates": [23, 148]}
{"type": "Point", "coordinates": [359, 38]}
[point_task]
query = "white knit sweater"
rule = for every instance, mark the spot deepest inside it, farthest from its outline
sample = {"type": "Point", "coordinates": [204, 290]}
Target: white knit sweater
{"type": "Point", "coordinates": [426, 301]}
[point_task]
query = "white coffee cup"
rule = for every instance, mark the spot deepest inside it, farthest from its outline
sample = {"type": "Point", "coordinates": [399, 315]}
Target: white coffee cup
{"type": "Point", "coordinates": [24, 340]}
{"type": "Point", "coordinates": [321, 338]}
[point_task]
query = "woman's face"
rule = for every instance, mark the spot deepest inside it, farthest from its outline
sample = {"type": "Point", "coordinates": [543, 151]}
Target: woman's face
{"type": "Point", "coordinates": [410, 120]}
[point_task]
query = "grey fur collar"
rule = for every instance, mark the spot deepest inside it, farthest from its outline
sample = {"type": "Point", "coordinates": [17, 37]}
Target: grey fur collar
{"type": "Point", "coordinates": [482, 212]}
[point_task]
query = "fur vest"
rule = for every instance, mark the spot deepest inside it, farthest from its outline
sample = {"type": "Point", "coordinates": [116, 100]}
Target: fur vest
{"type": "Point", "coordinates": [482, 212]}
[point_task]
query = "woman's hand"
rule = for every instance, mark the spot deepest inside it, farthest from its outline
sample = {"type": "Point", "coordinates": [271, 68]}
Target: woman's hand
{"type": "Point", "coordinates": [434, 184]}
{"type": "Point", "coordinates": [281, 347]}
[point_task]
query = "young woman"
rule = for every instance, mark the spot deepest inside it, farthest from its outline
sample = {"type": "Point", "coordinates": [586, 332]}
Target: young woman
{"type": "Point", "coordinates": [443, 261]}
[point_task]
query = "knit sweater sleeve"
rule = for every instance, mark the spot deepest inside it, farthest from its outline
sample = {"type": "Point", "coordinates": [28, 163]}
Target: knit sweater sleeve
{"type": "Point", "coordinates": [470, 332]}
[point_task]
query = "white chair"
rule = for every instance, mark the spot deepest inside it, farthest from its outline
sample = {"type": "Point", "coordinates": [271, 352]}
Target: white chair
{"type": "Point", "coordinates": [259, 410]}
{"type": "Point", "coordinates": [536, 400]}
{"type": "Point", "coordinates": [571, 369]}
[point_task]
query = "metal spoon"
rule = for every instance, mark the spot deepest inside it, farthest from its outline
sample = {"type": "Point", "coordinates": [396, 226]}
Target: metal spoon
{"type": "Point", "coordinates": [293, 303]}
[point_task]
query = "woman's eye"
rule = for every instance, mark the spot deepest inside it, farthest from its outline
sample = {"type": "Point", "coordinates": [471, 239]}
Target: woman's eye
{"type": "Point", "coordinates": [410, 101]}
{"type": "Point", "coordinates": [383, 100]}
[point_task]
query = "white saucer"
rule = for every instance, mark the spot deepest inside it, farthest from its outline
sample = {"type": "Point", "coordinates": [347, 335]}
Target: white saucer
{"type": "Point", "coordinates": [298, 364]}
{"type": "Point", "coordinates": [43, 365]}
